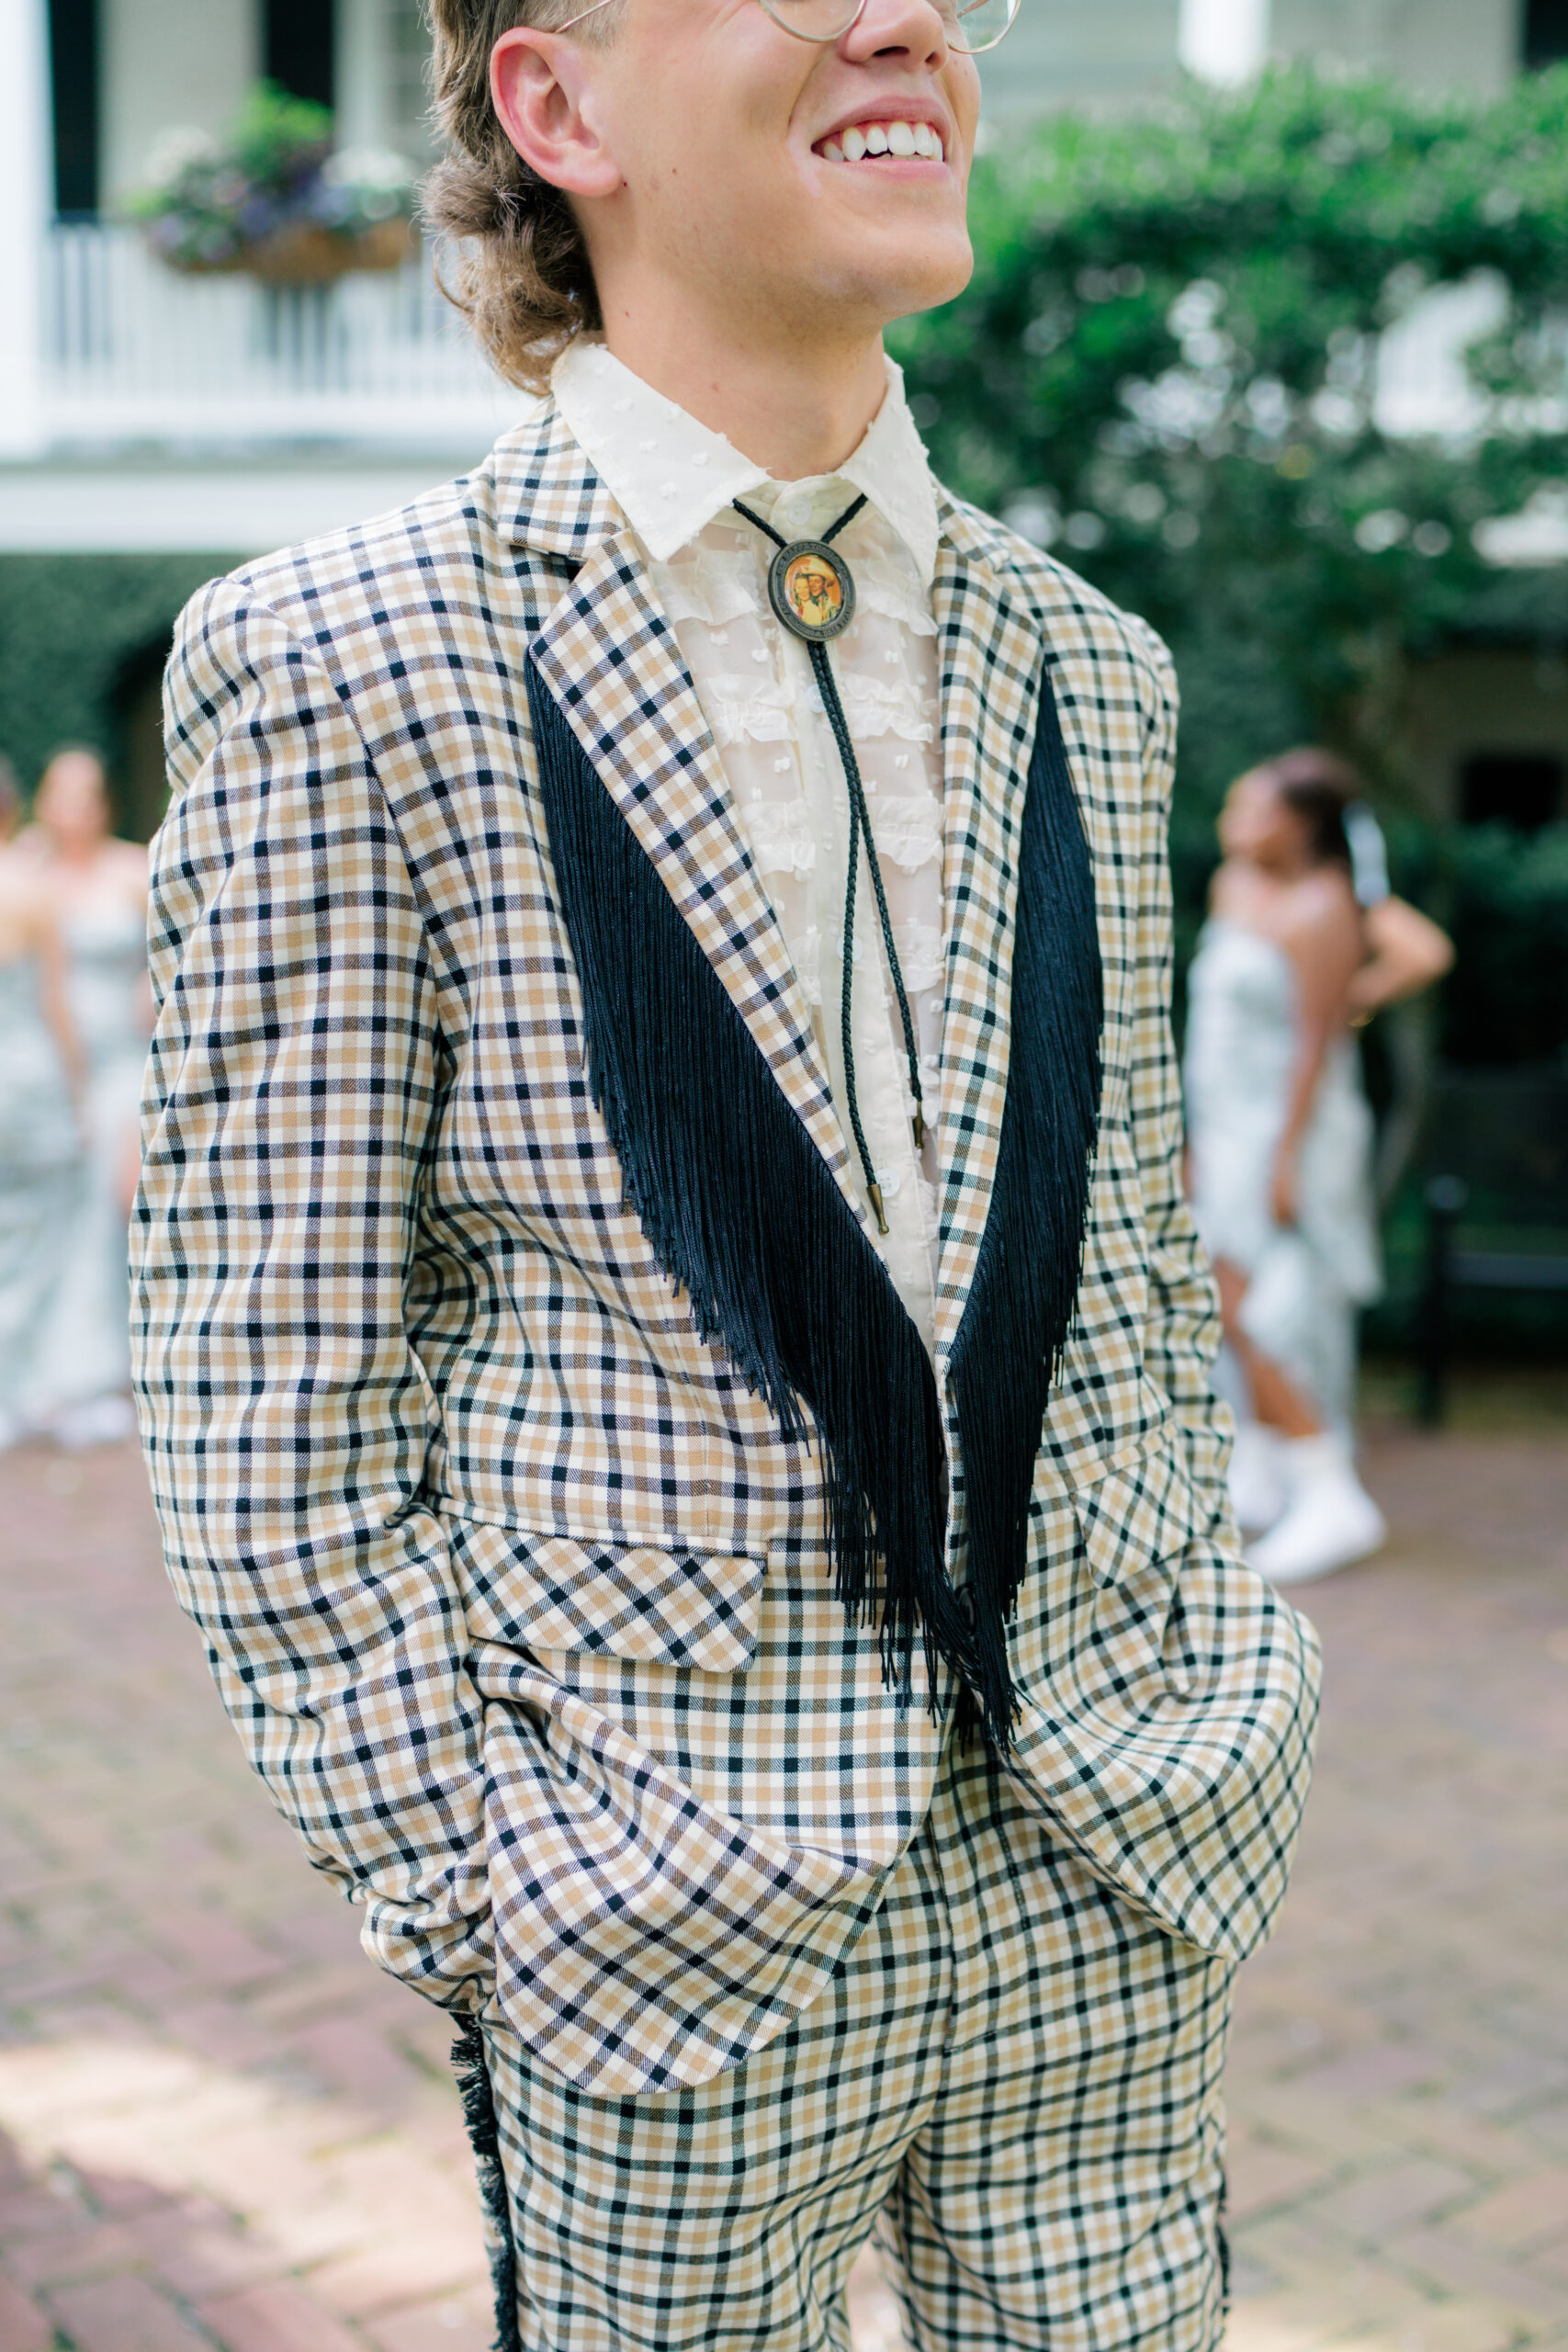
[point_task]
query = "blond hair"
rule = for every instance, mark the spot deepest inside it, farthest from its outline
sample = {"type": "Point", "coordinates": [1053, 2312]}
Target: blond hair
{"type": "Point", "coordinates": [522, 278]}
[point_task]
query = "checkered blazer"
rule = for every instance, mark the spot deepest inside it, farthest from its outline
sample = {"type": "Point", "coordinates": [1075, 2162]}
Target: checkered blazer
{"type": "Point", "coordinates": [519, 1598]}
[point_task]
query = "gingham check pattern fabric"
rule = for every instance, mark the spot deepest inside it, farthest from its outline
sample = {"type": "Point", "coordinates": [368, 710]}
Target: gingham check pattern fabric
{"type": "Point", "coordinates": [416, 1394]}
{"type": "Point", "coordinates": [1011, 2074]}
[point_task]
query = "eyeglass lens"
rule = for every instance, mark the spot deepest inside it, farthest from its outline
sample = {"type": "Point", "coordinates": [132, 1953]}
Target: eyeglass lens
{"type": "Point", "coordinates": [972, 24]}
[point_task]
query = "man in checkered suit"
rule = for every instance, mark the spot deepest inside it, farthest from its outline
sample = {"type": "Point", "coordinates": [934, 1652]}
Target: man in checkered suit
{"type": "Point", "coordinates": [824, 1747]}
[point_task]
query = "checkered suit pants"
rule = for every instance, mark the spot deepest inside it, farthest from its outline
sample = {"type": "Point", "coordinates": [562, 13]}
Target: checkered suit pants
{"type": "Point", "coordinates": [1011, 2072]}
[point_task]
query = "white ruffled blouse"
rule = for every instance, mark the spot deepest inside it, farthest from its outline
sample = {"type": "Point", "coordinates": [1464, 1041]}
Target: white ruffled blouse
{"type": "Point", "coordinates": [674, 479]}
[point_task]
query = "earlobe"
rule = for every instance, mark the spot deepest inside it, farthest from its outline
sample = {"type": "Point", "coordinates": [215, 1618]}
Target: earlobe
{"type": "Point", "coordinates": [541, 88]}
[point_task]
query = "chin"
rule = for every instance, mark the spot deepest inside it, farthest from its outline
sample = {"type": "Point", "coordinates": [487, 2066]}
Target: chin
{"type": "Point", "coordinates": [896, 275]}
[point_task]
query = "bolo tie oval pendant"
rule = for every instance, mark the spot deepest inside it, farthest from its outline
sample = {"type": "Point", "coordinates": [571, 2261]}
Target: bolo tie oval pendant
{"type": "Point", "coordinates": [812, 592]}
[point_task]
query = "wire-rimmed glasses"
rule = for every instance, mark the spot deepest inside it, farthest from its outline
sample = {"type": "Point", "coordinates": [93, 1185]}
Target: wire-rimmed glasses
{"type": "Point", "coordinates": [972, 25]}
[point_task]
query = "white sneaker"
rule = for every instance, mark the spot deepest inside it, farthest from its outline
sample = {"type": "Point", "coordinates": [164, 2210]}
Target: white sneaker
{"type": "Point", "coordinates": [1330, 1519]}
{"type": "Point", "coordinates": [1256, 1476]}
{"type": "Point", "coordinates": [97, 1420]}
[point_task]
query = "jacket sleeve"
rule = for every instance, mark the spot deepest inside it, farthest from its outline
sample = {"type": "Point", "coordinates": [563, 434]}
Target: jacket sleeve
{"type": "Point", "coordinates": [1182, 1335]}
{"type": "Point", "coordinates": [292, 1093]}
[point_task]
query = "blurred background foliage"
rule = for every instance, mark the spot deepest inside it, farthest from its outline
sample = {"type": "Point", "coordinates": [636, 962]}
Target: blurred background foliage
{"type": "Point", "coordinates": [1166, 370]}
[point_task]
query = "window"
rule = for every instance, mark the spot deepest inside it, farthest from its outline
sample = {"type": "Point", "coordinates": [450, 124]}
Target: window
{"type": "Point", "coordinates": [1546, 31]}
{"type": "Point", "coordinates": [1522, 788]}
{"type": "Point", "coordinates": [74, 87]}
{"type": "Point", "coordinates": [299, 47]}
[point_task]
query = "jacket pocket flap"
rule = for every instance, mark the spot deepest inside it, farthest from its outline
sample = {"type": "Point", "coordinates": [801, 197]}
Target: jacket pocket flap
{"type": "Point", "coordinates": [633, 1600]}
{"type": "Point", "coordinates": [1136, 1514]}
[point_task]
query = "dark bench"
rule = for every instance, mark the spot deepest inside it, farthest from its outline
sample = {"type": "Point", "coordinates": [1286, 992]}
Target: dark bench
{"type": "Point", "coordinates": [1495, 1161]}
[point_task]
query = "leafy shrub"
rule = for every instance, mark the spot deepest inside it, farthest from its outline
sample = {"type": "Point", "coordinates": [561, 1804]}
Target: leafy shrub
{"type": "Point", "coordinates": [1166, 370]}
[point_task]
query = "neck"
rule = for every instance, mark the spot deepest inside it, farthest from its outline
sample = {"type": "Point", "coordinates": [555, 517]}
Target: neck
{"type": "Point", "coordinates": [796, 411]}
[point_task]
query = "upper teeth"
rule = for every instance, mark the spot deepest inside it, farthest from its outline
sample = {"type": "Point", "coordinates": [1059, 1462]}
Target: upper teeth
{"type": "Point", "coordinates": [884, 138]}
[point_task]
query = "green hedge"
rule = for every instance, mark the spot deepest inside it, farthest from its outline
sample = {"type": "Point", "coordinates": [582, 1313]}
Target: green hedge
{"type": "Point", "coordinates": [82, 637]}
{"type": "Point", "coordinates": [1506, 904]}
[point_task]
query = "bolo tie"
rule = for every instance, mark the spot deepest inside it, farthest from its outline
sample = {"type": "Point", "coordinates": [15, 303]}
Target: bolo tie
{"type": "Point", "coordinates": [812, 592]}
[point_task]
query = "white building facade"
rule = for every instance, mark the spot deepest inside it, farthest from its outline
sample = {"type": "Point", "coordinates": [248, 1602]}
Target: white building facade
{"type": "Point", "coordinates": [1059, 54]}
{"type": "Point", "coordinates": [141, 408]}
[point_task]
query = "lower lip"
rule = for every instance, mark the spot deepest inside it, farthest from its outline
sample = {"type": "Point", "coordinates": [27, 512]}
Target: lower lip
{"type": "Point", "coordinates": [904, 165]}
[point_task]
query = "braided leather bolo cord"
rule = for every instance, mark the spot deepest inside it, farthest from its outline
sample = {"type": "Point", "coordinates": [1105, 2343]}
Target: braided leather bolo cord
{"type": "Point", "coordinates": [859, 825]}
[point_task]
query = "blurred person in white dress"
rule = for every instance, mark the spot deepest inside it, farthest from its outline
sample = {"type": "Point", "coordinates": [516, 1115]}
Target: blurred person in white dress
{"type": "Point", "coordinates": [41, 1141]}
{"type": "Point", "coordinates": [97, 887]}
{"type": "Point", "coordinates": [1303, 943]}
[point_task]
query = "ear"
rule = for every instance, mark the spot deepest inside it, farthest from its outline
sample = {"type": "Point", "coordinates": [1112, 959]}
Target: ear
{"type": "Point", "coordinates": [542, 87]}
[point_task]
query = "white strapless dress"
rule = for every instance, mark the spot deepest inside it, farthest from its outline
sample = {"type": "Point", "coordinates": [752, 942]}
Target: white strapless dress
{"type": "Point", "coordinates": [86, 1353]}
{"type": "Point", "coordinates": [41, 1187]}
{"type": "Point", "coordinates": [1306, 1281]}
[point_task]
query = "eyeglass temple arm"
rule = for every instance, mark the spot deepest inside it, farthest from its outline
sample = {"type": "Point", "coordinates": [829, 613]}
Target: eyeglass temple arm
{"type": "Point", "coordinates": [580, 17]}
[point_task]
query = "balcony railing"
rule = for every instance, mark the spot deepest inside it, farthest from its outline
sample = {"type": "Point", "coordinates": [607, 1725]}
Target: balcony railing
{"type": "Point", "coordinates": [135, 352]}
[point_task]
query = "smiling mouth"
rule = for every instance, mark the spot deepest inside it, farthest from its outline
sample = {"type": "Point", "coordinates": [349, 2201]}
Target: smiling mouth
{"type": "Point", "coordinates": [899, 142]}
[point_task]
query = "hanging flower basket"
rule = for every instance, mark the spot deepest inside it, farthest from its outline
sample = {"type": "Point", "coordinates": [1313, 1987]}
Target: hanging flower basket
{"type": "Point", "coordinates": [306, 255]}
{"type": "Point", "coordinates": [273, 201]}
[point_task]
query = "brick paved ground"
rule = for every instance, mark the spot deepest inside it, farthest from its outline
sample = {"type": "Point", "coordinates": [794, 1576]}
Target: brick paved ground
{"type": "Point", "coordinates": [219, 2126]}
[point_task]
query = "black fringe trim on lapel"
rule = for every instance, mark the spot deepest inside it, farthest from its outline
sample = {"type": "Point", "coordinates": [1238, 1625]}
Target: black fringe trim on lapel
{"type": "Point", "coordinates": [1020, 1311]}
{"type": "Point", "coordinates": [741, 1211]}
{"type": "Point", "coordinates": [484, 2137]}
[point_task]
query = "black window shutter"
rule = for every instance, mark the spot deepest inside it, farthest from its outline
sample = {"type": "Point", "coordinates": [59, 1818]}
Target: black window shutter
{"type": "Point", "coordinates": [73, 90]}
{"type": "Point", "coordinates": [299, 47]}
{"type": "Point", "coordinates": [1546, 31]}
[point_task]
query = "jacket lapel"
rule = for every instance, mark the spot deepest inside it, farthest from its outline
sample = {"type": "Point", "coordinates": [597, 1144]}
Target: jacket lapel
{"type": "Point", "coordinates": [610, 660]}
{"type": "Point", "coordinates": [992, 665]}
